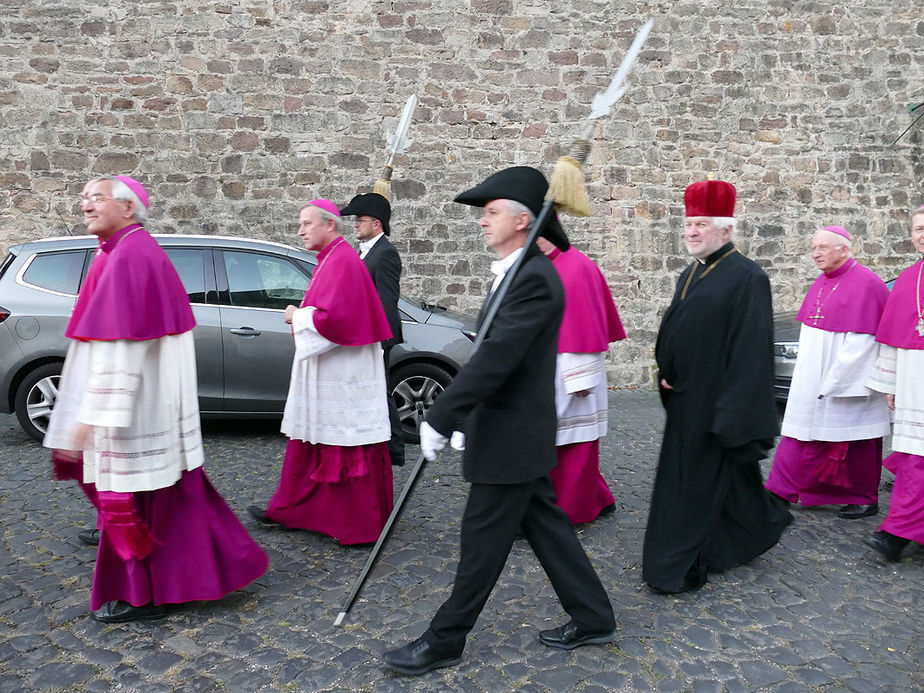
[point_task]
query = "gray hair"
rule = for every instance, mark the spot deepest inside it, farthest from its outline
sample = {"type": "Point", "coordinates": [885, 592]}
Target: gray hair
{"type": "Point", "coordinates": [517, 208]}
{"type": "Point", "coordinates": [725, 222]}
{"type": "Point", "coordinates": [838, 239]}
{"type": "Point", "coordinates": [324, 215]}
{"type": "Point", "coordinates": [120, 191]}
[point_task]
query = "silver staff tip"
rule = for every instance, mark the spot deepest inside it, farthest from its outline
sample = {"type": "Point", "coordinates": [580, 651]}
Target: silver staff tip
{"type": "Point", "coordinates": [340, 617]}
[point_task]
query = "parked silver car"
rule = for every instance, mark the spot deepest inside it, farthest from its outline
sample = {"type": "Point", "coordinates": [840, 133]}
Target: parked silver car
{"type": "Point", "coordinates": [239, 289]}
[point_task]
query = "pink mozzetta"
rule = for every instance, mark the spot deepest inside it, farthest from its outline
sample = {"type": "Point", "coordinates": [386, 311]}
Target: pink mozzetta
{"type": "Point", "coordinates": [849, 299]}
{"type": "Point", "coordinates": [348, 310]}
{"type": "Point", "coordinates": [900, 317]}
{"type": "Point", "coordinates": [591, 320]}
{"type": "Point", "coordinates": [132, 291]}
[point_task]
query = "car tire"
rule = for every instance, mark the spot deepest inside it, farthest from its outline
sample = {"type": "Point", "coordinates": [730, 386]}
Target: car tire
{"type": "Point", "coordinates": [35, 399]}
{"type": "Point", "coordinates": [414, 387]}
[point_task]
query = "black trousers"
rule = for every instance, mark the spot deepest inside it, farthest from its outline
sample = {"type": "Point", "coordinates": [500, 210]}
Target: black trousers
{"type": "Point", "coordinates": [494, 514]}
{"type": "Point", "coordinates": [396, 442]}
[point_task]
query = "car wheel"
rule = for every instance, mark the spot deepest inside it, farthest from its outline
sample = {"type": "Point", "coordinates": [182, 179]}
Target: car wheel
{"type": "Point", "coordinates": [35, 398]}
{"type": "Point", "coordinates": [414, 387]}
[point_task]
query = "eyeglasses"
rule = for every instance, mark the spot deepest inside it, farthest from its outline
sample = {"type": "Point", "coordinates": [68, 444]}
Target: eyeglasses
{"type": "Point", "coordinates": [96, 198]}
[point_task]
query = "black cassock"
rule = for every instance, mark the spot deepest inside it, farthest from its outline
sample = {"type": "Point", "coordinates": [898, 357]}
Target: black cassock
{"type": "Point", "coordinates": [709, 509]}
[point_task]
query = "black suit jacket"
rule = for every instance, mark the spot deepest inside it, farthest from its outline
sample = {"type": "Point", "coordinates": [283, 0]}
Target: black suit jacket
{"type": "Point", "coordinates": [504, 396]}
{"type": "Point", "coordinates": [384, 264]}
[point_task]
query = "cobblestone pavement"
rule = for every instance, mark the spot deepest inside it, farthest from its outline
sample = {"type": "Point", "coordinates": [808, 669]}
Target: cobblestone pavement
{"type": "Point", "coordinates": [817, 612]}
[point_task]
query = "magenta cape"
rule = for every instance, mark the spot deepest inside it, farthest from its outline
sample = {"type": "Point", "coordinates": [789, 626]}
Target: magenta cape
{"type": "Point", "coordinates": [348, 310]}
{"type": "Point", "coordinates": [591, 320]}
{"type": "Point", "coordinates": [849, 299]}
{"type": "Point", "coordinates": [900, 316]}
{"type": "Point", "coordinates": [132, 291]}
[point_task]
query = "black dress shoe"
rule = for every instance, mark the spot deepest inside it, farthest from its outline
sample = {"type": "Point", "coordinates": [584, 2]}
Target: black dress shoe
{"type": "Point", "coordinates": [607, 510]}
{"type": "Point", "coordinates": [571, 635]}
{"type": "Point", "coordinates": [855, 512]}
{"type": "Point", "coordinates": [89, 536]}
{"type": "Point", "coordinates": [418, 657]}
{"type": "Point", "coordinates": [123, 612]}
{"type": "Point", "coordinates": [257, 513]}
{"type": "Point", "coordinates": [888, 545]}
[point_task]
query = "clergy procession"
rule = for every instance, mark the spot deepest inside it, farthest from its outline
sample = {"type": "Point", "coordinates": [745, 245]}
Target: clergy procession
{"type": "Point", "coordinates": [126, 425]}
{"type": "Point", "coordinates": [527, 413]}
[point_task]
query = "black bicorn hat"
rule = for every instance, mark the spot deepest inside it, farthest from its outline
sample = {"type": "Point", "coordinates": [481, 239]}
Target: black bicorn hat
{"type": "Point", "coordinates": [370, 205]}
{"type": "Point", "coordinates": [523, 184]}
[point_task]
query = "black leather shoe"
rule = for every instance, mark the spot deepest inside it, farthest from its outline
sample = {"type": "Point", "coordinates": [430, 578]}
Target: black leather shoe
{"type": "Point", "coordinates": [89, 536]}
{"type": "Point", "coordinates": [571, 635]}
{"type": "Point", "coordinates": [607, 510]}
{"type": "Point", "coordinates": [257, 513]}
{"type": "Point", "coordinates": [418, 657]}
{"type": "Point", "coordinates": [888, 545]}
{"type": "Point", "coordinates": [855, 512]}
{"type": "Point", "coordinates": [122, 612]}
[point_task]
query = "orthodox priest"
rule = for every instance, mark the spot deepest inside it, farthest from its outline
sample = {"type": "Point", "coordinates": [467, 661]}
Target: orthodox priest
{"type": "Point", "coordinates": [831, 450]}
{"type": "Point", "coordinates": [589, 324]}
{"type": "Point", "coordinates": [709, 509]}
{"type": "Point", "coordinates": [336, 476]}
{"type": "Point", "coordinates": [126, 425]}
{"type": "Point", "coordinates": [899, 373]}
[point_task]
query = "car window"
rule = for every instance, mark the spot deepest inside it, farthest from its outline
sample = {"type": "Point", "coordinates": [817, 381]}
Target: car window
{"type": "Point", "coordinates": [58, 272]}
{"type": "Point", "coordinates": [190, 265]}
{"type": "Point", "coordinates": [7, 261]}
{"type": "Point", "coordinates": [256, 280]}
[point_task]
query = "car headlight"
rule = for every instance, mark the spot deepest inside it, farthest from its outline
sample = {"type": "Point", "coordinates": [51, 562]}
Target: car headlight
{"type": "Point", "coordinates": [786, 350]}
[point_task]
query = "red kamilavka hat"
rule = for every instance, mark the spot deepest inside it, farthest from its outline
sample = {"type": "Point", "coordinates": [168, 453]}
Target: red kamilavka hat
{"type": "Point", "coordinates": [710, 198]}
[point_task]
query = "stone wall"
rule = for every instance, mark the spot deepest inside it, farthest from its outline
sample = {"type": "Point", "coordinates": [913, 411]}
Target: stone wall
{"type": "Point", "coordinates": [234, 112]}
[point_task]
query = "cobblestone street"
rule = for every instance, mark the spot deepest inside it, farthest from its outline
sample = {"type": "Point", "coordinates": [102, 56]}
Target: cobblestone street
{"type": "Point", "coordinates": [819, 612]}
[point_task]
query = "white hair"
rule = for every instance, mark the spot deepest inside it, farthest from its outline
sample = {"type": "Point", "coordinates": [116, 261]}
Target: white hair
{"type": "Point", "coordinates": [120, 191]}
{"type": "Point", "coordinates": [725, 222]}
{"type": "Point", "coordinates": [517, 208]}
{"type": "Point", "coordinates": [324, 215]}
{"type": "Point", "coordinates": [838, 239]}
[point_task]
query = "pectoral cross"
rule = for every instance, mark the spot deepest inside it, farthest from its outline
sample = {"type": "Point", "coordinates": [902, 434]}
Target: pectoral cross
{"type": "Point", "coordinates": [920, 327]}
{"type": "Point", "coordinates": [818, 316]}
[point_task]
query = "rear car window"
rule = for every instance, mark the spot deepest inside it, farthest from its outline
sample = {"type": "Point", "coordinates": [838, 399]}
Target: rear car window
{"type": "Point", "coordinates": [190, 265]}
{"type": "Point", "coordinates": [256, 280]}
{"type": "Point", "coordinates": [59, 272]}
{"type": "Point", "coordinates": [7, 261]}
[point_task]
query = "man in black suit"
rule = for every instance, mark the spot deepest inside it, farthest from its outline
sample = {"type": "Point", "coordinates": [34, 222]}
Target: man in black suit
{"type": "Point", "coordinates": [373, 213]}
{"type": "Point", "coordinates": [504, 400]}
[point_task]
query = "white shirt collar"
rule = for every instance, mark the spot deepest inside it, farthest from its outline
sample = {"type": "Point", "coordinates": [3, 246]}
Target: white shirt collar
{"type": "Point", "coordinates": [366, 246]}
{"type": "Point", "coordinates": [499, 267]}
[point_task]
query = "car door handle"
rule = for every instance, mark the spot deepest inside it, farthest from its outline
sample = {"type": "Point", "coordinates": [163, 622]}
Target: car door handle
{"type": "Point", "coordinates": [246, 331]}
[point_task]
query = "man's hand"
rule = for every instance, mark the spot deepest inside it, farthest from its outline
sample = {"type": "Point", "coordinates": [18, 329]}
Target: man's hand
{"type": "Point", "coordinates": [890, 400]}
{"type": "Point", "coordinates": [290, 311]}
{"type": "Point", "coordinates": [457, 440]}
{"type": "Point", "coordinates": [581, 393]}
{"type": "Point", "coordinates": [431, 441]}
{"type": "Point", "coordinates": [666, 385]}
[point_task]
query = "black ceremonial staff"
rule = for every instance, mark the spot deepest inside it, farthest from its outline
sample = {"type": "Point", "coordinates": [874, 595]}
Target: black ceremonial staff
{"type": "Point", "coordinates": [566, 192]}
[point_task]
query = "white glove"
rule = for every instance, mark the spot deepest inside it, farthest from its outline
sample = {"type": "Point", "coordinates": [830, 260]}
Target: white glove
{"type": "Point", "coordinates": [431, 441]}
{"type": "Point", "coordinates": [457, 441]}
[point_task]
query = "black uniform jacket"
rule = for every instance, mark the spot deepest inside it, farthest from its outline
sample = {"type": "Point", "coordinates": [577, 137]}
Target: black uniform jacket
{"type": "Point", "coordinates": [384, 264]}
{"type": "Point", "coordinates": [504, 396]}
